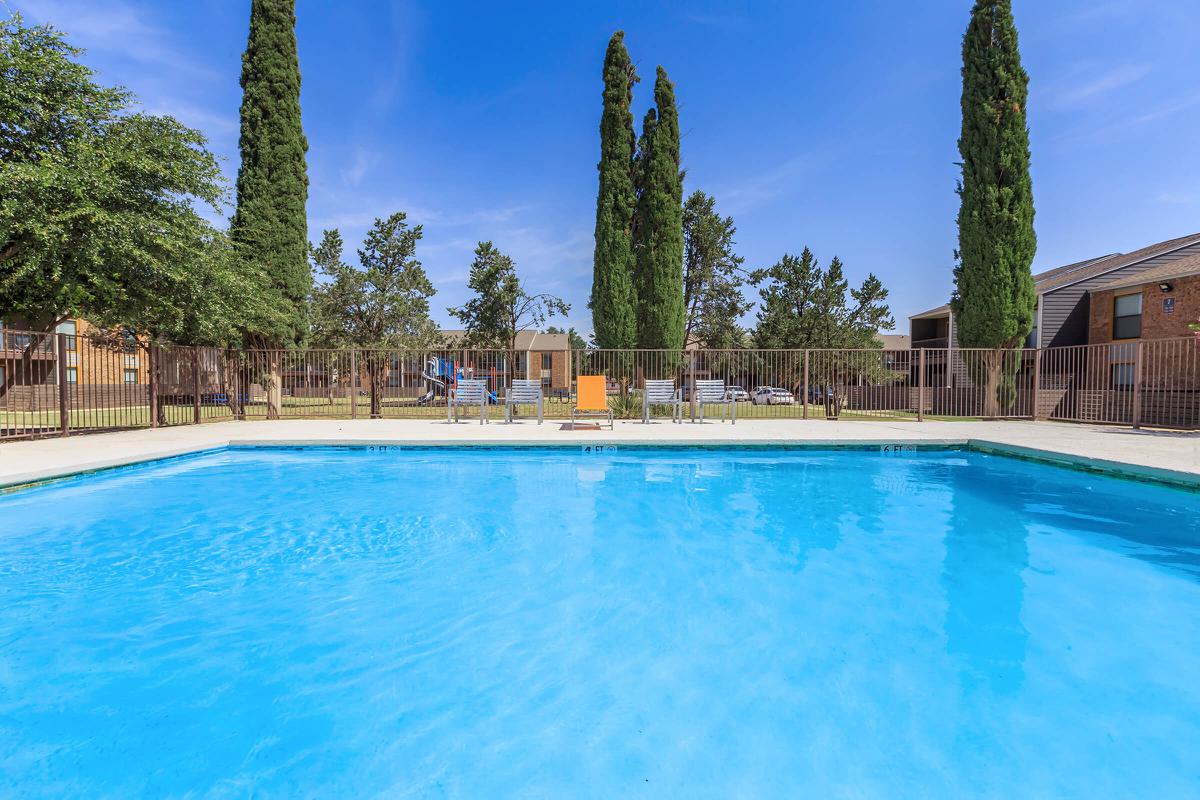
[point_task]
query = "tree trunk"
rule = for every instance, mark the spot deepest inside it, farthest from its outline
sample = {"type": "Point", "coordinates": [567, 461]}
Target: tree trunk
{"type": "Point", "coordinates": [992, 364]}
{"type": "Point", "coordinates": [160, 409]}
{"type": "Point", "coordinates": [24, 367]}
{"type": "Point", "coordinates": [274, 385]}
{"type": "Point", "coordinates": [229, 380]}
{"type": "Point", "coordinates": [374, 370]}
{"type": "Point", "coordinates": [38, 333]}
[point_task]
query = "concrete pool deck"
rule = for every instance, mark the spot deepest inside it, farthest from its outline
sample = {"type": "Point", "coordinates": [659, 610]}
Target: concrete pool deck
{"type": "Point", "coordinates": [1162, 455]}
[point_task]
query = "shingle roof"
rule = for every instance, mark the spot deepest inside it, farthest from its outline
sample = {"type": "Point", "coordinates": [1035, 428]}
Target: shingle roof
{"type": "Point", "coordinates": [1115, 262]}
{"type": "Point", "coordinates": [1054, 273]}
{"type": "Point", "coordinates": [940, 311]}
{"type": "Point", "coordinates": [526, 340]}
{"type": "Point", "coordinates": [1059, 277]}
{"type": "Point", "coordinates": [1182, 268]}
{"type": "Point", "coordinates": [894, 341]}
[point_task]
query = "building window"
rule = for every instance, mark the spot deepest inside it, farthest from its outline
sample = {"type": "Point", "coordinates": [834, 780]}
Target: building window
{"type": "Point", "coordinates": [1122, 375]}
{"type": "Point", "coordinates": [131, 376]}
{"type": "Point", "coordinates": [1127, 316]}
{"type": "Point", "coordinates": [547, 360]}
{"type": "Point", "coordinates": [72, 375]}
{"type": "Point", "coordinates": [70, 329]}
{"type": "Point", "coordinates": [3, 376]}
{"type": "Point", "coordinates": [545, 381]}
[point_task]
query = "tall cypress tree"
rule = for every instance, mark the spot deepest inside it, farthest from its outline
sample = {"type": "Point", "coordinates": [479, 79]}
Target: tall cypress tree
{"type": "Point", "coordinates": [269, 227]}
{"type": "Point", "coordinates": [994, 294]}
{"type": "Point", "coordinates": [658, 240]}
{"type": "Point", "coordinates": [612, 302]}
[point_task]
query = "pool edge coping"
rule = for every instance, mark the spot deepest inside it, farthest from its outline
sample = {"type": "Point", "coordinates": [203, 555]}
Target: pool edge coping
{"type": "Point", "coordinates": [1120, 469]}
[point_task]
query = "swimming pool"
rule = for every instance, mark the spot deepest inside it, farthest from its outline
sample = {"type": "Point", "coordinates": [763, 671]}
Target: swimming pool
{"type": "Point", "coordinates": [491, 622]}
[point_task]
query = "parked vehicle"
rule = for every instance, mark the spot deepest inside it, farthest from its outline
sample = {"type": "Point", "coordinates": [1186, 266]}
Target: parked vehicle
{"type": "Point", "coordinates": [772, 396]}
{"type": "Point", "coordinates": [737, 394]}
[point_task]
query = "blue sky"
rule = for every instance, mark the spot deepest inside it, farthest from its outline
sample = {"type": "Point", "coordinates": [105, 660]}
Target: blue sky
{"type": "Point", "coordinates": [831, 125]}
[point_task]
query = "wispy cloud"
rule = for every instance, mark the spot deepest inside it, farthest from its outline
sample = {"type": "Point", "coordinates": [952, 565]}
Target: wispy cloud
{"type": "Point", "coordinates": [1178, 198]}
{"type": "Point", "coordinates": [367, 212]}
{"type": "Point", "coordinates": [1166, 109]}
{"type": "Point", "coordinates": [785, 177]}
{"type": "Point", "coordinates": [715, 20]}
{"type": "Point", "coordinates": [1112, 9]}
{"type": "Point", "coordinates": [114, 26]}
{"type": "Point", "coordinates": [354, 172]}
{"type": "Point", "coordinates": [211, 122]}
{"type": "Point", "coordinates": [1077, 91]}
{"type": "Point", "coordinates": [1127, 121]}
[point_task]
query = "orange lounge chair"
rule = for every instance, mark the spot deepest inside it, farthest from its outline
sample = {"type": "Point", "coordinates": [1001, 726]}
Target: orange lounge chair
{"type": "Point", "coordinates": [591, 400]}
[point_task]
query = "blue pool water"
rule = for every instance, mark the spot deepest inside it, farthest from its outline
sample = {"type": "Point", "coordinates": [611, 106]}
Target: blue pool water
{"type": "Point", "coordinates": [492, 623]}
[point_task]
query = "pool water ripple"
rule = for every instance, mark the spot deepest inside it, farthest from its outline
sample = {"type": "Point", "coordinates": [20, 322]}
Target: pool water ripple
{"type": "Point", "coordinates": [491, 623]}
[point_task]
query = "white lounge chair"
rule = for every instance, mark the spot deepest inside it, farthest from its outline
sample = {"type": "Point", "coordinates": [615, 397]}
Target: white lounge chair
{"type": "Point", "coordinates": [468, 392]}
{"type": "Point", "coordinates": [662, 393]}
{"type": "Point", "coordinates": [715, 391]}
{"type": "Point", "coordinates": [523, 391]}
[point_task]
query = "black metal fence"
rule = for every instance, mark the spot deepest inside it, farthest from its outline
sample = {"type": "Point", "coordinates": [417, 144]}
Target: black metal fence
{"type": "Point", "coordinates": [58, 384]}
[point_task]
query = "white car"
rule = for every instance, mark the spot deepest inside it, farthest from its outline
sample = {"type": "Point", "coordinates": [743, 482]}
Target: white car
{"type": "Point", "coordinates": [772, 396]}
{"type": "Point", "coordinates": [736, 394]}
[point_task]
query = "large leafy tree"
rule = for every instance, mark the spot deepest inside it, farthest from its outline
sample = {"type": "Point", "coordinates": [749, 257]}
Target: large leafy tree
{"type": "Point", "coordinates": [713, 276]}
{"type": "Point", "coordinates": [501, 307]}
{"type": "Point", "coordinates": [613, 305]}
{"type": "Point", "coordinates": [269, 227]}
{"type": "Point", "coordinates": [994, 295]}
{"type": "Point", "coordinates": [98, 211]}
{"type": "Point", "coordinates": [658, 230]}
{"type": "Point", "coordinates": [806, 306]}
{"type": "Point", "coordinates": [381, 304]}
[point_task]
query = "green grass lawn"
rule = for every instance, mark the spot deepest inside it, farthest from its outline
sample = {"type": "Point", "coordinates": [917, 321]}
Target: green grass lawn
{"type": "Point", "coordinates": [123, 417]}
{"type": "Point", "coordinates": [396, 408]}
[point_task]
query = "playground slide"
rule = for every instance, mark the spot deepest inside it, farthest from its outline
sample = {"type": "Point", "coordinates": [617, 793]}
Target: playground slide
{"type": "Point", "coordinates": [434, 381]}
{"type": "Point", "coordinates": [438, 368]}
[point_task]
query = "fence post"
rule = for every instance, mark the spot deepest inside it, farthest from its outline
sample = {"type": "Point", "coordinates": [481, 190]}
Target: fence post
{"type": "Point", "coordinates": [804, 401]}
{"type": "Point", "coordinates": [1035, 412]}
{"type": "Point", "coordinates": [1137, 385]}
{"type": "Point", "coordinates": [152, 358]}
{"type": "Point", "coordinates": [64, 403]}
{"type": "Point", "coordinates": [353, 383]}
{"type": "Point", "coordinates": [196, 385]}
{"type": "Point", "coordinates": [921, 385]}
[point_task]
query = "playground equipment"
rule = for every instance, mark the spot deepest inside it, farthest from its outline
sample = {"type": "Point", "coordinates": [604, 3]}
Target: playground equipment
{"type": "Point", "coordinates": [442, 373]}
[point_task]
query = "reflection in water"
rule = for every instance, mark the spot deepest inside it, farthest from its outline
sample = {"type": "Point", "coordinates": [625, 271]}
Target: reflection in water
{"type": "Point", "coordinates": [787, 504]}
{"type": "Point", "coordinates": [986, 553]}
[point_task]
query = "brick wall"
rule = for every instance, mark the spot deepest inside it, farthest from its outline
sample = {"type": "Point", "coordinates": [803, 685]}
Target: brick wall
{"type": "Point", "coordinates": [1156, 324]}
{"type": "Point", "coordinates": [559, 360]}
{"type": "Point", "coordinates": [1166, 365]}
